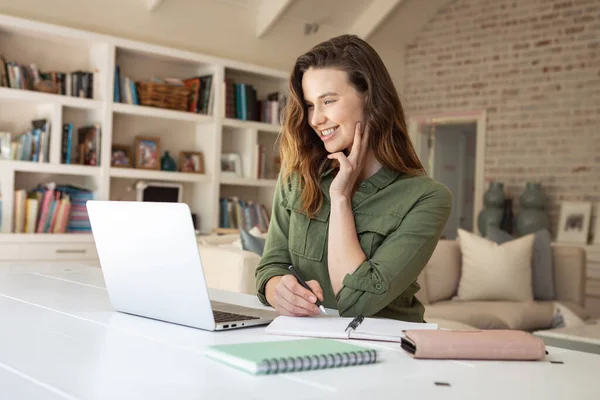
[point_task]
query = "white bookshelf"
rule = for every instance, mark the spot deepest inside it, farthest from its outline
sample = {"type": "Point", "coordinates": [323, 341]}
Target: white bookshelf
{"type": "Point", "coordinates": [250, 182]}
{"type": "Point", "coordinates": [58, 48]}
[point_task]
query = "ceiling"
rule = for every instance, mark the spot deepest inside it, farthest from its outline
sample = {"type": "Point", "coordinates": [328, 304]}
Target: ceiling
{"type": "Point", "coordinates": [361, 17]}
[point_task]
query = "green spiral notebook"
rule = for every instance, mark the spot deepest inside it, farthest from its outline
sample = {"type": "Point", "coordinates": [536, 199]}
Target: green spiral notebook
{"type": "Point", "coordinates": [291, 355]}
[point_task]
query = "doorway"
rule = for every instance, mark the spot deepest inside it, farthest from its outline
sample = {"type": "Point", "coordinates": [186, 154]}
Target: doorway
{"type": "Point", "coordinates": [451, 148]}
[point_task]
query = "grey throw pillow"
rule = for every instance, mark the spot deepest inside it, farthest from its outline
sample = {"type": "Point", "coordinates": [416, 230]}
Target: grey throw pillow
{"type": "Point", "coordinates": [252, 243]}
{"type": "Point", "coordinates": [542, 269]}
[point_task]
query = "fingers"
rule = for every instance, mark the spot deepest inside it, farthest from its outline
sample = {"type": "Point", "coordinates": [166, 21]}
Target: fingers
{"type": "Point", "coordinates": [342, 159]}
{"type": "Point", "coordinates": [316, 288]}
{"type": "Point", "coordinates": [365, 138]}
{"type": "Point", "coordinates": [287, 308]}
{"type": "Point", "coordinates": [296, 288]}
{"type": "Point", "coordinates": [295, 299]}
{"type": "Point", "coordinates": [357, 143]}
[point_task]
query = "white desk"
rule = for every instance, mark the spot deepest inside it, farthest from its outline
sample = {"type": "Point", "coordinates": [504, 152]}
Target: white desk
{"type": "Point", "coordinates": [59, 339]}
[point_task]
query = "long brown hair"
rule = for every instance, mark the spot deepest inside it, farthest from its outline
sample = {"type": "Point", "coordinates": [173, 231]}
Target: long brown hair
{"type": "Point", "coordinates": [301, 149]}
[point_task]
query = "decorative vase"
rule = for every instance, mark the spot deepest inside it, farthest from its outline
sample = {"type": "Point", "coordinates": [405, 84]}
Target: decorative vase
{"type": "Point", "coordinates": [507, 217]}
{"type": "Point", "coordinates": [167, 163]}
{"type": "Point", "coordinates": [493, 204]}
{"type": "Point", "coordinates": [532, 216]}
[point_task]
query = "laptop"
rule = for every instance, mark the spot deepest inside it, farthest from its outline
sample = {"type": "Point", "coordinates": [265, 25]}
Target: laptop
{"type": "Point", "coordinates": [152, 268]}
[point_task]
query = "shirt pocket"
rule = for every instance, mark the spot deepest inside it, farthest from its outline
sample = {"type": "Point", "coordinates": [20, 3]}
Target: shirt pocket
{"type": "Point", "coordinates": [308, 236]}
{"type": "Point", "coordinates": [372, 231]}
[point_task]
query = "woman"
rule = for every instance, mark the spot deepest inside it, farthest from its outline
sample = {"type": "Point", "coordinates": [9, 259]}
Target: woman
{"type": "Point", "coordinates": [353, 210]}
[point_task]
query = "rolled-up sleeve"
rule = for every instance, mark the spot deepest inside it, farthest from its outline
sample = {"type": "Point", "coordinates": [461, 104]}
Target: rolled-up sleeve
{"type": "Point", "coordinates": [400, 259]}
{"type": "Point", "coordinates": [276, 255]}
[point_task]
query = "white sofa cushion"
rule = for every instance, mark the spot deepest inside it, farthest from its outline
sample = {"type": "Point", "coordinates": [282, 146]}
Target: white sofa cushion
{"type": "Point", "coordinates": [495, 272]}
{"type": "Point", "coordinates": [442, 272]}
{"type": "Point", "coordinates": [494, 314]}
{"type": "Point", "coordinates": [229, 269]}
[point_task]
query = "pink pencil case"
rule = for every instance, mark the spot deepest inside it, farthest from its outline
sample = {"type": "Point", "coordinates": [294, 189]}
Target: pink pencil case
{"type": "Point", "coordinates": [496, 344]}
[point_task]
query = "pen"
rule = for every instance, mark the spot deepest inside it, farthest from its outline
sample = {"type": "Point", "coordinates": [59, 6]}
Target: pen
{"type": "Point", "coordinates": [299, 278]}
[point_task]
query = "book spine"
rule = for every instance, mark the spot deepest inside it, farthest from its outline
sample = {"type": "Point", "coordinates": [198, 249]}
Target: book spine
{"type": "Point", "coordinates": [322, 361]}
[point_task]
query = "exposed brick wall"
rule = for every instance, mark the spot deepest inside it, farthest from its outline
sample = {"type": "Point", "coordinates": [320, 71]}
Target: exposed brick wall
{"type": "Point", "coordinates": [534, 65]}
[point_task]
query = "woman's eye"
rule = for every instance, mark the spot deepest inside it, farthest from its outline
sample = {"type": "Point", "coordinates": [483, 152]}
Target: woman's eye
{"type": "Point", "coordinates": [328, 102]}
{"type": "Point", "coordinates": [309, 106]}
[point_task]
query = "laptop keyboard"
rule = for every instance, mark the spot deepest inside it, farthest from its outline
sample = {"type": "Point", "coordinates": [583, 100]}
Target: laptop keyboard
{"type": "Point", "coordinates": [222, 316]}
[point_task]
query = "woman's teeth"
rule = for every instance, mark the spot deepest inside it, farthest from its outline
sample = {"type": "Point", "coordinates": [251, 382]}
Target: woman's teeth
{"type": "Point", "coordinates": [329, 131]}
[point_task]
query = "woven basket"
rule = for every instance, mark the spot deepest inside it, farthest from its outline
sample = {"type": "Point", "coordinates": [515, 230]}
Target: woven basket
{"type": "Point", "coordinates": [163, 95]}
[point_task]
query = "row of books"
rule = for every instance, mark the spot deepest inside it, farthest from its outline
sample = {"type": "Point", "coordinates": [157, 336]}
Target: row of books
{"type": "Point", "coordinates": [241, 102]}
{"type": "Point", "coordinates": [264, 170]}
{"type": "Point", "coordinates": [124, 89]}
{"type": "Point", "coordinates": [201, 99]}
{"type": "Point", "coordinates": [29, 77]}
{"type": "Point", "coordinates": [33, 145]}
{"type": "Point", "coordinates": [88, 145]}
{"type": "Point", "coordinates": [239, 214]}
{"type": "Point", "coordinates": [52, 208]}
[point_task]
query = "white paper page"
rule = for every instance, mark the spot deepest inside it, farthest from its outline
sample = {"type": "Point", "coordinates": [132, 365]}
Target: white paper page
{"type": "Point", "coordinates": [386, 329]}
{"type": "Point", "coordinates": [322, 326]}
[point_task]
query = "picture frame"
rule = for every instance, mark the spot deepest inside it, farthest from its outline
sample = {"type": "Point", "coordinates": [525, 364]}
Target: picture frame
{"type": "Point", "coordinates": [147, 152]}
{"type": "Point", "coordinates": [191, 161]}
{"type": "Point", "coordinates": [596, 225]}
{"type": "Point", "coordinates": [5, 146]}
{"type": "Point", "coordinates": [574, 222]}
{"type": "Point", "coordinates": [120, 156]}
{"type": "Point", "coordinates": [231, 164]}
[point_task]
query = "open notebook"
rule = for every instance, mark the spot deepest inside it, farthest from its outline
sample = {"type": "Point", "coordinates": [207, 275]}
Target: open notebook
{"type": "Point", "coordinates": [388, 330]}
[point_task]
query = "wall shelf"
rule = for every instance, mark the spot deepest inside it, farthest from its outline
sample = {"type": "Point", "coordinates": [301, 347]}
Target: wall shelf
{"type": "Point", "coordinates": [48, 98]}
{"type": "Point", "coordinates": [237, 181]}
{"type": "Point", "coordinates": [47, 168]}
{"type": "Point", "coordinates": [154, 112]}
{"type": "Point", "coordinates": [146, 174]}
{"type": "Point", "coordinates": [259, 126]}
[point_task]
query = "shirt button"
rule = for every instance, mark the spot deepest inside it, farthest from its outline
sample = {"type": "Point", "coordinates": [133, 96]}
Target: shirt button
{"type": "Point", "coordinates": [378, 286]}
{"type": "Point", "coordinates": [363, 185]}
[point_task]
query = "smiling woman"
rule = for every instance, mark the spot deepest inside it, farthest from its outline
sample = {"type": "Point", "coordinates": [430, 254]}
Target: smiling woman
{"type": "Point", "coordinates": [354, 211]}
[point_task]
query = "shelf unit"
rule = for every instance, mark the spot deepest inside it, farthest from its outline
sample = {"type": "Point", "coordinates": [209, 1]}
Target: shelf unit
{"type": "Point", "coordinates": [57, 48]}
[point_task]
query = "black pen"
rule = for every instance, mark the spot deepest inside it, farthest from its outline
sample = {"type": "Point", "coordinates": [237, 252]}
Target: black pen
{"type": "Point", "coordinates": [299, 278]}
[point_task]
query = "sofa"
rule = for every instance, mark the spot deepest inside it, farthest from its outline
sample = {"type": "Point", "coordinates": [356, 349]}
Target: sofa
{"type": "Point", "coordinates": [228, 267]}
{"type": "Point", "coordinates": [440, 279]}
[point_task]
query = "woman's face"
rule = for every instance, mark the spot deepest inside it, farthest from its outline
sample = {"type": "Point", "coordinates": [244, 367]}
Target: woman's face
{"type": "Point", "coordinates": [334, 107]}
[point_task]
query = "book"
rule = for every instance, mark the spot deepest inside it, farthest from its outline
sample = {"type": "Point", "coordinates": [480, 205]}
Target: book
{"type": "Point", "coordinates": [282, 356]}
{"type": "Point", "coordinates": [381, 329]}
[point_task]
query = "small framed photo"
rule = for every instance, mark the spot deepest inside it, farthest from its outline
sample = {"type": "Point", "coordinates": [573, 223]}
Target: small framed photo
{"type": "Point", "coordinates": [5, 139]}
{"type": "Point", "coordinates": [120, 156]}
{"type": "Point", "coordinates": [596, 225]}
{"type": "Point", "coordinates": [574, 222]}
{"type": "Point", "coordinates": [147, 150]}
{"type": "Point", "coordinates": [231, 164]}
{"type": "Point", "coordinates": [190, 161]}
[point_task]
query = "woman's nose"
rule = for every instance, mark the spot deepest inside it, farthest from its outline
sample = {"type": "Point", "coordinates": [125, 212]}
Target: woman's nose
{"type": "Point", "coordinates": [317, 117]}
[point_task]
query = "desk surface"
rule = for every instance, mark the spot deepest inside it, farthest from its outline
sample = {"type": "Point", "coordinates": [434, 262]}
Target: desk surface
{"type": "Point", "coordinates": [59, 339]}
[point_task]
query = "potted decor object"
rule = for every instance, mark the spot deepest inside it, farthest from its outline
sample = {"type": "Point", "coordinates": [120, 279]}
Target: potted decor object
{"type": "Point", "coordinates": [532, 216]}
{"type": "Point", "coordinates": [493, 207]}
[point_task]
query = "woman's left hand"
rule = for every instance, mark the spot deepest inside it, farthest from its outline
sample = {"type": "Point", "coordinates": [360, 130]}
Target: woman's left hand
{"type": "Point", "coordinates": [351, 166]}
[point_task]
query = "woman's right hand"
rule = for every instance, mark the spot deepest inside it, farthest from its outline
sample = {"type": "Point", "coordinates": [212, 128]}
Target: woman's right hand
{"type": "Point", "coordinates": [290, 298]}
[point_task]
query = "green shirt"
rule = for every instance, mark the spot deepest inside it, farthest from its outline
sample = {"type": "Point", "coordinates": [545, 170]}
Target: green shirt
{"type": "Point", "coordinates": [399, 219]}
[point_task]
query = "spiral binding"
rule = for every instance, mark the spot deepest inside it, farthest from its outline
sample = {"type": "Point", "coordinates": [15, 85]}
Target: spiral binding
{"type": "Point", "coordinates": [321, 361]}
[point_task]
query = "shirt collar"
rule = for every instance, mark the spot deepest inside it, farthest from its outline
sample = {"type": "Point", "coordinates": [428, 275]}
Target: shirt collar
{"type": "Point", "coordinates": [382, 178]}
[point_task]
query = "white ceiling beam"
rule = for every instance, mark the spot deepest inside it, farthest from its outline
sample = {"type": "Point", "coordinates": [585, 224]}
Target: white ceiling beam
{"type": "Point", "coordinates": [373, 16]}
{"type": "Point", "coordinates": [152, 5]}
{"type": "Point", "coordinates": [267, 13]}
